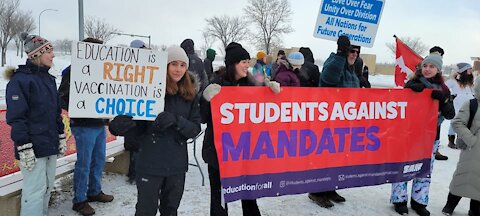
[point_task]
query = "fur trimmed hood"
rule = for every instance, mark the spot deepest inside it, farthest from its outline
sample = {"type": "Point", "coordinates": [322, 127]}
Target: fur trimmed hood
{"type": "Point", "coordinates": [8, 73]}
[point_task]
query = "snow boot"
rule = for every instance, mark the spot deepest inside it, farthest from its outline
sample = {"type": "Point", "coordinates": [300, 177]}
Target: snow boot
{"type": "Point", "coordinates": [419, 208]}
{"type": "Point", "coordinates": [451, 142]}
{"type": "Point", "coordinates": [439, 156]}
{"type": "Point", "coordinates": [83, 208]}
{"type": "Point", "coordinates": [321, 199]}
{"type": "Point", "coordinates": [447, 211]}
{"type": "Point", "coordinates": [335, 197]}
{"type": "Point", "coordinates": [401, 208]}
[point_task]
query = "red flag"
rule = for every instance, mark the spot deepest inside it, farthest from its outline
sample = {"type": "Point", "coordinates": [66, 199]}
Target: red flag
{"type": "Point", "coordinates": [406, 60]}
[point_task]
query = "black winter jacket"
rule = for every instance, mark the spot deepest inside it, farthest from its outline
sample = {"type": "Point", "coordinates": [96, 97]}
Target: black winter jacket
{"type": "Point", "coordinates": [165, 153]}
{"type": "Point", "coordinates": [33, 109]}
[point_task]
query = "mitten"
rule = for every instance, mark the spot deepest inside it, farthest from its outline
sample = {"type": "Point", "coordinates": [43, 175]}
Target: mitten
{"type": "Point", "coordinates": [165, 120]}
{"type": "Point", "coordinates": [210, 91]}
{"type": "Point", "coordinates": [273, 85]}
{"type": "Point", "coordinates": [121, 124]}
{"type": "Point", "coordinates": [27, 156]}
{"type": "Point", "coordinates": [416, 87]}
{"type": "Point", "coordinates": [343, 45]}
{"type": "Point", "coordinates": [438, 95]}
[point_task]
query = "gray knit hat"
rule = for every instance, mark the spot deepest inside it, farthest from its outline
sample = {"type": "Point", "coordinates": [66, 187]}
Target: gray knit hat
{"type": "Point", "coordinates": [434, 59]}
{"type": "Point", "coordinates": [461, 67]}
{"type": "Point", "coordinates": [35, 45]}
{"type": "Point", "coordinates": [176, 53]}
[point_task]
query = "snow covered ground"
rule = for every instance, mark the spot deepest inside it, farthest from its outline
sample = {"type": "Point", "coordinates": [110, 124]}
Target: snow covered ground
{"type": "Point", "coordinates": [373, 200]}
{"type": "Point", "coordinates": [368, 201]}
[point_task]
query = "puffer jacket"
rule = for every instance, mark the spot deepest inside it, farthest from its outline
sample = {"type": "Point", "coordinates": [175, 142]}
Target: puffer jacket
{"type": "Point", "coordinates": [337, 73]}
{"type": "Point", "coordinates": [466, 179]}
{"type": "Point", "coordinates": [33, 109]}
{"type": "Point", "coordinates": [164, 153]}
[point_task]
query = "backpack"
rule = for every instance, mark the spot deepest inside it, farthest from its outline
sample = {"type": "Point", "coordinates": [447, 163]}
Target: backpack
{"type": "Point", "coordinates": [473, 110]}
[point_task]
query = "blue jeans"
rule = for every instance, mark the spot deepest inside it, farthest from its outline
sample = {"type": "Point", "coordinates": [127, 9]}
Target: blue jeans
{"type": "Point", "coordinates": [37, 185]}
{"type": "Point", "coordinates": [87, 177]}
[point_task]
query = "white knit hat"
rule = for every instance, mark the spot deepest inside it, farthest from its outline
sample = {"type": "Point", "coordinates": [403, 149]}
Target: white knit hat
{"type": "Point", "coordinates": [176, 53]}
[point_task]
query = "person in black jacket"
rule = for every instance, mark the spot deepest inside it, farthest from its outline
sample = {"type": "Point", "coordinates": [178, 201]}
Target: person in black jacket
{"type": "Point", "coordinates": [309, 74]}
{"type": "Point", "coordinates": [195, 64]}
{"type": "Point", "coordinates": [364, 83]}
{"type": "Point", "coordinates": [237, 62]}
{"type": "Point", "coordinates": [163, 159]}
{"type": "Point", "coordinates": [90, 141]}
{"type": "Point", "coordinates": [429, 76]}
{"type": "Point", "coordinates": [37, 131]}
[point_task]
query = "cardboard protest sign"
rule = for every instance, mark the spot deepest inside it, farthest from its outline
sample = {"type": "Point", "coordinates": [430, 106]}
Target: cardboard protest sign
{"type": "Point", "coordinates": [107, 81]}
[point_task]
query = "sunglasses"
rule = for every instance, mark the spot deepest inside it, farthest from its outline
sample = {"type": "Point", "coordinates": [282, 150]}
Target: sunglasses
{"type": "Point", "coordinates": [355, 51]}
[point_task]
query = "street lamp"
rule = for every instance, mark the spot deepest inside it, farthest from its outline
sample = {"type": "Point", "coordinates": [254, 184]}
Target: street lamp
{"type": "Point", "coordinates": [40, 15]}
{"type": "Point", "coordinates": [134, 35]}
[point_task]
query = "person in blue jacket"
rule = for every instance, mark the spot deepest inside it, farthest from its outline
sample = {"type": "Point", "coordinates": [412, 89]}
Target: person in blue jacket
{"type": "Point", "coordinates": [34, 113]}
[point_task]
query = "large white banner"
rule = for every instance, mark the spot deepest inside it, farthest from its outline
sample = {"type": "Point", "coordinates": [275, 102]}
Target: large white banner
{"type": "Point", "coordinates": [357, 19]}
{"type": "Point", "coordinates": [107, 81]}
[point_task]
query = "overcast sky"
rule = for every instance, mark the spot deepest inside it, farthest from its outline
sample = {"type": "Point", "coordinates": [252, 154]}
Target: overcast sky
{"type": "Point", "coordinates": [453, 25]}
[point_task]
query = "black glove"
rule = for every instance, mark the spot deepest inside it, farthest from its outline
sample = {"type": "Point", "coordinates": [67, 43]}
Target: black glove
{"type": "Point", "coordinates": [165, 120]}
{"type": "Point", "coordinates": [343, 44]}
{"type": "Point", "coordinates": [438, 95]}
{"type": "Point", "coordinates": [416, 87]}
{"type": "Point", "coordinates": [121, 124]}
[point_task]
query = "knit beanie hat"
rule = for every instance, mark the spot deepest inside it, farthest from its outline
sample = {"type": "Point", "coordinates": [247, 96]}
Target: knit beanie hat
{"type": "Point", "coordinates": [296, 58]}
{"type": "Point", "coordinates": [35, 45]}
{"type": "Point", "coordinates": [461, 67]}
{"type": "Point", "coordinates": [188, 46]}
{"type": "Point", "coordinates": [234, 53]}
{"type": "Point", "coordinates": [434, 59]}
{"type": "Point", "coordinates": [261, 55]}
{"type": "Point", "coordinates": [357, 47]}
{"type": "Point", "coordinates": [211, 54]}
{"type": "Point", "coordinates": [176, 53]}
{"type": "Point", "coordinates": [137, 44]}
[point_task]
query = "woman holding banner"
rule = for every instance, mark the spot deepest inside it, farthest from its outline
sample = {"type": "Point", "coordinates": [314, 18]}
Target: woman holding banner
{"type": "Point", "coordinates": [162, 158]}
{"type": "Point", "coordinates": [237, 63]}
{"type": "Point", "coordinates": [429, 76]}
{"type": "Point", "coordinates": [33, 112]}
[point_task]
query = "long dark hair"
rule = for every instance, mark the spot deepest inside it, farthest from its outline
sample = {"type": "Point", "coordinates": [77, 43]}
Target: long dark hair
{"type": "Point", "coordinates": [464, 79]}
{"type": "Point", "coordinates": [184, 87]}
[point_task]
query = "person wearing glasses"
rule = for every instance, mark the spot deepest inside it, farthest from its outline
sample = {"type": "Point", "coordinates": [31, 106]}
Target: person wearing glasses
{"type": "Point", "coordinates": [338, 71]}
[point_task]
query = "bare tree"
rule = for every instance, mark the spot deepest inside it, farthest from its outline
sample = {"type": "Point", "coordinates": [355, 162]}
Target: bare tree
{"type": "Point", "coordinates": [271, 19]}
{"type": "Point", "coordinates": [24, 23]}
{"type": "Point", "coordinates": [64, 45]}
{"type": "Point", "coordinates": [208, 41]}
{"type": "Point", "coordinates": [99, 29]}
{"type": "Point", "coordinates": [414, 43]}
{"type": "Point", "coordinates": [8, 10]}
{"type": "Point", "coordinates": [226, 29]}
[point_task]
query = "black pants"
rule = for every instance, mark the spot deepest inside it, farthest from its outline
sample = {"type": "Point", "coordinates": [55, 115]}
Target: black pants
{"type": "Point", "coordinates": [453, 200]}
{"type": "Point", "coordinates": [166, 189]}
{"type": "Point", "coordinates": [249, 207]}
{"type": "Point", "coordinates": [319, 194]}
{"type": "Point", "coordinates": [131, 165]}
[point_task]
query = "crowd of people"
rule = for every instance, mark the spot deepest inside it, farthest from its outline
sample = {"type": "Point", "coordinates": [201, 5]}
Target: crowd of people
{"type": "Point", "coordinates": [158, 149]}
